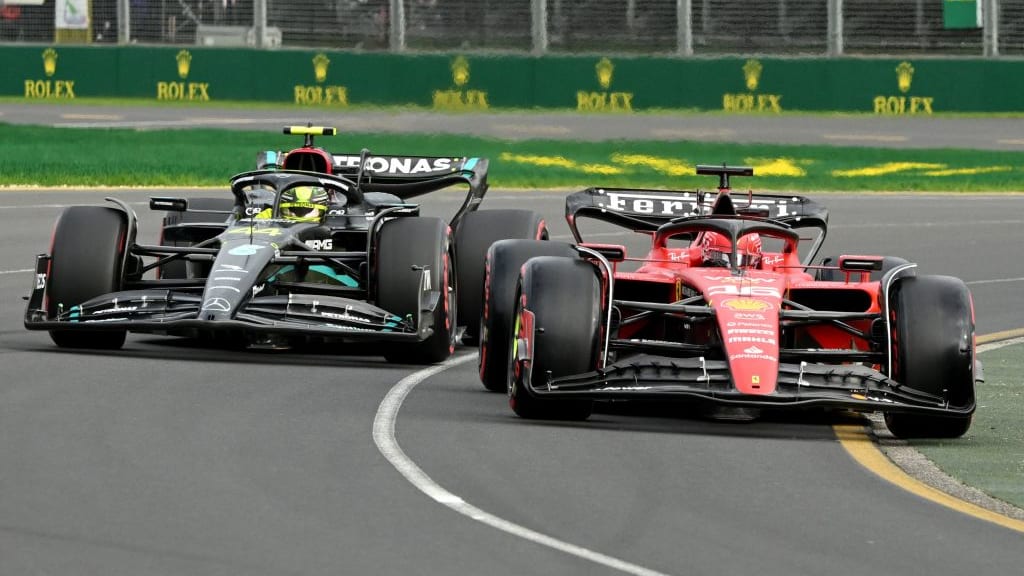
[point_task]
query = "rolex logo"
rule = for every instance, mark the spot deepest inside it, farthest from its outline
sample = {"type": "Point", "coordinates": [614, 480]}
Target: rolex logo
{"type": "Point", "coordinates": [752, 74]}
{"type": "Point", "coordinates": [460, 71]}
{"type": "Point", "coordinates": [904, 76]}
{"type": "Point", "coordinates": [50, 61]}
{"type": "Point", "coordinates": [605, 69]}
{"type": "Point", "coordinates": [184, 63]}
{"type": "Point", "coordinates": [320, 64]}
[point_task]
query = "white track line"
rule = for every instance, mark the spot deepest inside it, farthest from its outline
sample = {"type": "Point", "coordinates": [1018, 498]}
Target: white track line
{"type": "Point", "coordinates": [387, 444]}
{"type": "Point", "coordinates": [22, 271]}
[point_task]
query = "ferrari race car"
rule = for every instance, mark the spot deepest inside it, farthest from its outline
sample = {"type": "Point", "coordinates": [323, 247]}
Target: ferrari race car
{"type": "Point", "coordinates": [312, 245]}
{"type": "Point", "coordinates": [725, 312]}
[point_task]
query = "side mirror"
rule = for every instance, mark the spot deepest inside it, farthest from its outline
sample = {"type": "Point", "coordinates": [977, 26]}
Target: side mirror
{"type": "Point", "coordinates": [169, 204]}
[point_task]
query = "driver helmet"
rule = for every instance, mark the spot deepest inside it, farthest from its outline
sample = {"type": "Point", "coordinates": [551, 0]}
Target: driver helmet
{"type": "Point", "coordinates": [716, 248]}
{"type": "Point", "coordinates": [304, 204]}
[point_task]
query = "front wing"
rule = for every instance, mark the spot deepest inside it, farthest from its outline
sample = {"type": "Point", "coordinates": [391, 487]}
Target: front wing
{"type": "Point", "coordinates": [842, 386]}
{"type": "Point", "coordinates": [176, 312]}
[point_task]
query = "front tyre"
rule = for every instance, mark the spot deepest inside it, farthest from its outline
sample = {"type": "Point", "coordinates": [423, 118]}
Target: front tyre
{"type": "Point", "coordinates": [85, 262]}
{"type": "Point", "coordinates": [501, 267]}
{"type": "Point", "coordinates": [405, 247]}
{"type": "Point", "coordinates": [476, 232]}
{"type": "Point", "coordinates": [557, 331]}
{"type": "Point", "coordinates": [932, 351]}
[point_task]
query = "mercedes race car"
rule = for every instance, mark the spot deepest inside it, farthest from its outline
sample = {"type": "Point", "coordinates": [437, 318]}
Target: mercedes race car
{"type": "Point", "coordinates": [311, 246]}
{"type": "Point", "coordinates": [725, 312]}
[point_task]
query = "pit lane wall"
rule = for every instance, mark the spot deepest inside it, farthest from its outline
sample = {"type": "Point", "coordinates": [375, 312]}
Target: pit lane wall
{"type": "Point", "coordinates": [895, 87]}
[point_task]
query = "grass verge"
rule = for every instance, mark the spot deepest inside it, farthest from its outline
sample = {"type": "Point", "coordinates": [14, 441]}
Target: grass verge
{"type": "Point", "coordinates": [46, 156]}
{"type": "Point", "coordinates": [990, 456]}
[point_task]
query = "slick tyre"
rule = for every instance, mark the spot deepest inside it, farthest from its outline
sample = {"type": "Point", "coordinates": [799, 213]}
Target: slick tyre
{"type": "Point", "coordinates": [475, 234]}
{"type": "Point", "coordinates": [888, 263]}
{"type": "Point", "coordinates": [564, 297]}
{"type": "Point", "coordinates": [85, 262]}
{"type": "Point", "coordinates": [404, 248]}
{"type": "Point", "coordinates": [178, 269]}
{"type": "Point", "coordinates": [933, 352]}
{"type": "Point", "coordinates": [501, 268]}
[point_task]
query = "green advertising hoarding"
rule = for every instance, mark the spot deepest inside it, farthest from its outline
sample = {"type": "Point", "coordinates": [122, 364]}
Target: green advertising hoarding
{"type": "Point", "coordinates": [596, 84]}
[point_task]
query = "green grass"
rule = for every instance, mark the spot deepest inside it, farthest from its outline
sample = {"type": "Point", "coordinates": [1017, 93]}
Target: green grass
{"type": "Point", "coordinates": [990, 456]}
{"type": "Point", "coordinates": [45, 156]}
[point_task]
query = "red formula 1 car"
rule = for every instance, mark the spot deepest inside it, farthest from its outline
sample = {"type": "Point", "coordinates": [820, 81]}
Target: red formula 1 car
{"type": "Point", "coordinates": [725, 311]}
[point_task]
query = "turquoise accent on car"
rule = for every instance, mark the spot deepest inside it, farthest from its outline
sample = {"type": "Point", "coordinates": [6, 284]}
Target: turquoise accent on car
{"type": "Point", "coordinates": [321, 269]}
{"type": "Point", "coordinates": [470, 163]}
{"type": "Point", "coordinates": [330, 273]}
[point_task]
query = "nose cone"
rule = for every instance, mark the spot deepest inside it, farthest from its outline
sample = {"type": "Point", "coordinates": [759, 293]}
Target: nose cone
{"type": "Point", "coordinates": [750, 336]}
{"type": "Point", "coordinates": [233, 277]}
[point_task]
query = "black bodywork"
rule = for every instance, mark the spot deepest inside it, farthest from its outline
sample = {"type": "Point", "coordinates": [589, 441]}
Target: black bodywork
{"type": "Point", "coordinates": [265, 276]}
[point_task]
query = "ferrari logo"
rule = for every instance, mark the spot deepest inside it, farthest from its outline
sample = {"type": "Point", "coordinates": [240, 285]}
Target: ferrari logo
{"type": "Point", "coordinates": [755, 379]}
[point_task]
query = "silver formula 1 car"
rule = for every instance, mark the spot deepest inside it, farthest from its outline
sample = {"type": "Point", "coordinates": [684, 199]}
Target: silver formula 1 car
{"type": "Point", "coordinates": [312, 245]}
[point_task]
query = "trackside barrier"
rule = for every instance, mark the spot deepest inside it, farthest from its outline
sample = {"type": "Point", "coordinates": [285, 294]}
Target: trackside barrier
{"type": "Point", "coordinates": [891, 87]}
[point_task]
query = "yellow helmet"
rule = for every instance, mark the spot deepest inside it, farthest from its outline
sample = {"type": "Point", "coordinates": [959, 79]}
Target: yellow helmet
{"type": "Point", "coordinates": [304, 204]}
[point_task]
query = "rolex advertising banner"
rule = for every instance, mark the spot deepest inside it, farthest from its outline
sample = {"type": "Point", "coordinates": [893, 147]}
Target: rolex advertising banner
{"type": "Point", "coordinates": [959, 14]}
{"type": "Point", "coordinates": [597, 84]}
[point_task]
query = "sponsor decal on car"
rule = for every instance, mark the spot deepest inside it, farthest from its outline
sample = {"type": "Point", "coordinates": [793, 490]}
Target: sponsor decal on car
{"type": "Point", "coordinates": [245, 250]}
{"type": "Point", "coordinates": [751, 339]}
{"type": "Point", "coordinates": [747, 305]}
{"type": "Point", "coordinates": [732, 290]}
{"type": "Point", "coordinates": [742, 279]}
{"type": "Point", "coordinates": [398, 165]}
{"type": "Point", "coordinates": [217, 305]}
{"type": "Point", "coordinates": [326, 244]}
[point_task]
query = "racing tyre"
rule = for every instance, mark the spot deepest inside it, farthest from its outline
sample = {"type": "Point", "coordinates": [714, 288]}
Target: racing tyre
{"type": "Point", "coordinates": [177, 269]}
{"type": "Point", "coordinates": [888, 263]}
{"type": "Point", "coordinates": [405, 246]}
{"type": "Point", "coordinates": [932, 352]}
{"type": "Point", "coordinates": [85, 262]}
{"type": "Point", "coordinates": [501, 273]}
{"type": "Point", "coordinates": [558, 320]}
{"type": "Point", "coordinates": [475, 234]}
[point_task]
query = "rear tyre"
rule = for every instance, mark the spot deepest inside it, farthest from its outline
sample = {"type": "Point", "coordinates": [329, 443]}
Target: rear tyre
{"type": "Point", "coordinates": [888, 263]}
{"type": "Point", "coordinates": [405, 246]}
{"type": "Point", "coordinates": [501, 268]}
{"type": "Point", "coordinates": [86, 262]}
{"type": "Point", "coordinates": [477, 231]}
{"type": "Point", "coordinates": [178, 269]}
{"type": "Point", "coordinates": [564, 297]}
{"type": "Point", "coordinates": [932, 352]}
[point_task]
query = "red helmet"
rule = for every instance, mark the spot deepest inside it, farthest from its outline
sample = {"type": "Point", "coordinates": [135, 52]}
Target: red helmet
{"type": "Point", "coordinates": [716, 248]}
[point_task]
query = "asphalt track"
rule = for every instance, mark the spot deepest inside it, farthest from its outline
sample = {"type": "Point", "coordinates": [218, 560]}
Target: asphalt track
{"type": "Point", "coordinates": [849, 130]}
{"type": "Point", "coordinates": [167, 458]}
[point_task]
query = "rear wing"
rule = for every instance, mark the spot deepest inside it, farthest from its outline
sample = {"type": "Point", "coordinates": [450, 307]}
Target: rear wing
{"type": "Point", "coordinates": [646, 210]}
{"type": "Point", "coordinates": [404, 176]}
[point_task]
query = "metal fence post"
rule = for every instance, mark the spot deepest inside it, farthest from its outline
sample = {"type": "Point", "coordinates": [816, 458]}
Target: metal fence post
{"type": "Point", "coordinates": [259, 22]}
{"type": "Point", "coordinates": [835, 28]}
{"type": "Point", "coordinates": [990, 22]}
{"type": "Point", "coordinates": [397, 26]}
{"type": "Point", "coordinates": [684, 27]}
{"type": "Point", "coordinates": [539, 25]}
{"type": "Point", "coordinates": [124, 23]}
